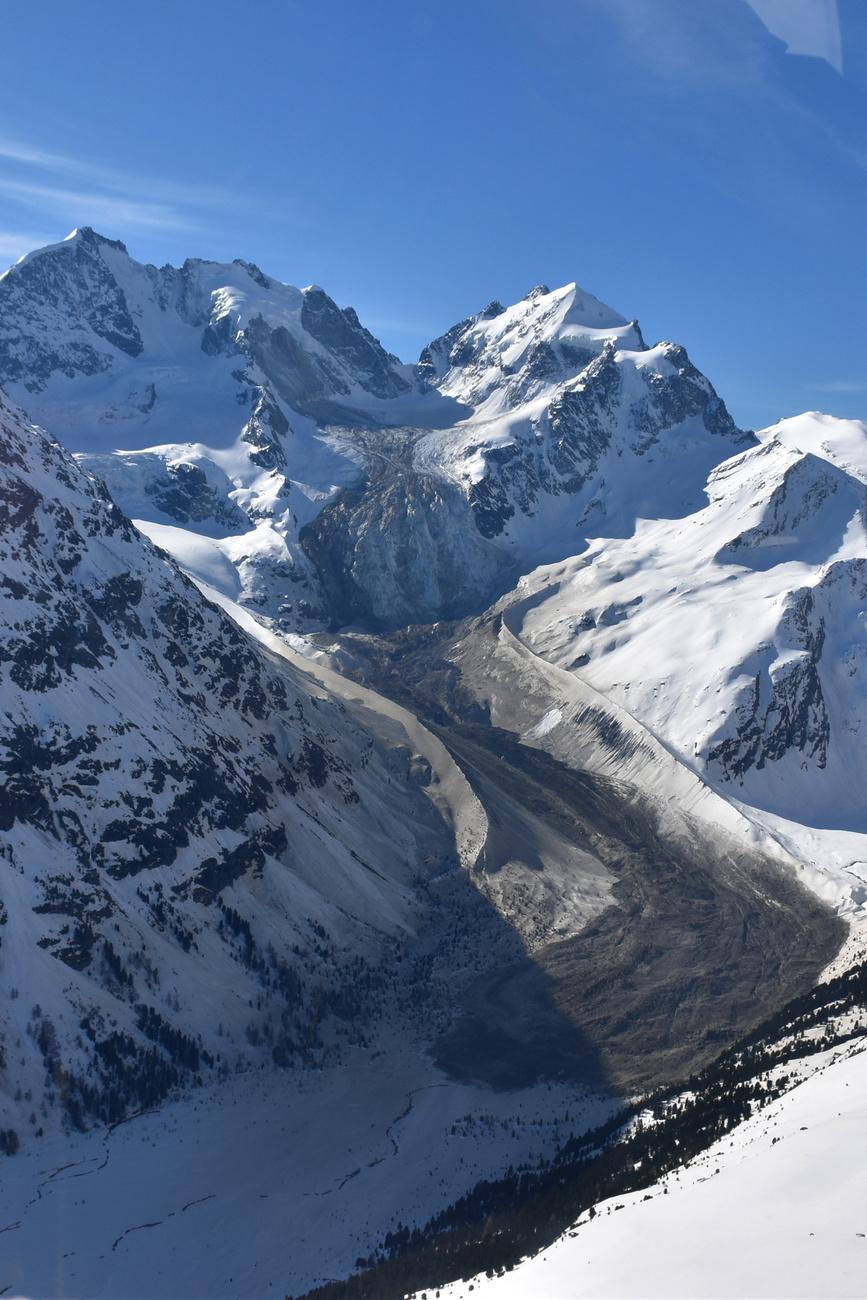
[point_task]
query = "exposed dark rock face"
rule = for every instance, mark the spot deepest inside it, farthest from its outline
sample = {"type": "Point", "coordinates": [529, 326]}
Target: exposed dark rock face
{"type": "Point", "coordinates": [454, 348]}
{"type": "Point", "coordinates": [76, 285]}
{"type": "Point", "coordinates": [560, 452]}
{"type": "Point", "coordinates": [188, 498]}
{"type": "Point", "coordinates": [341, 332]}
{"type": "Point", "coordinates": [265, 431]}
{"type": "Point", "coordinates": [680, 392]}
{"type": "Point", "coordinates": [784, 709]}
{"type": "Point", "coordinates": [183, 491]}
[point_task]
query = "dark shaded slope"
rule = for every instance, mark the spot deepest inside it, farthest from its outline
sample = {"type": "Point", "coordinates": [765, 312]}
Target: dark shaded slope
{"type": "Point", "coordinates": [698, 947]}
{"type": "Point", "coordinates": [706, 936]}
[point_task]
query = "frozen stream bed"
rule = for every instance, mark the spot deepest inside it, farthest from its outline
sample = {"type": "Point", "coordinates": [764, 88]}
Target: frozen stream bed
{"type": "Point", "coordinates": [266, 1185]}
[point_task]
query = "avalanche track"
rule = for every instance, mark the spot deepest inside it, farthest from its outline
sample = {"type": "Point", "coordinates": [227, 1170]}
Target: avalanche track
{"type": "Point", "coordinates": [689, 925]}
{"type": "Point", "coordinates": [449, 789]}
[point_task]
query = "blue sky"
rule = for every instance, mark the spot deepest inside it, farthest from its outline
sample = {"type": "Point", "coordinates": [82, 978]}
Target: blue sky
{"type": "Point", "coordinates": [699, 164]}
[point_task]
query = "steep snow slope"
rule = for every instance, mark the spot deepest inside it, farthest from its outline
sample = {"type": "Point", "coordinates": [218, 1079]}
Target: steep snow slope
{"type": "Point", "coordinates": [776, 1210]}
{"type": "Point", "coordinates": [737, 634]}
{"type": "Point", "coordinates": [205, 854]}
{"type": "Point", "coordinates": [335, 482]}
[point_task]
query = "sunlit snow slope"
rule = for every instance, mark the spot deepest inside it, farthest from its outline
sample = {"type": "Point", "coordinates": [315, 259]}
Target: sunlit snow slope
{"type": "Point", "coordinates": [777, 1210]}
{"type": "Point", "coordinates": [737, 633]}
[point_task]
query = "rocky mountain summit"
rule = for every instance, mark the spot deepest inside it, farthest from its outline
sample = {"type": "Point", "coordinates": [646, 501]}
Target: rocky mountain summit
{"type": "Point", "coordinates": [253, 427]}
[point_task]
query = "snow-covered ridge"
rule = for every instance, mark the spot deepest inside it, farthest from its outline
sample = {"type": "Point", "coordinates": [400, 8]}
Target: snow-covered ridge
{"type": "Point", "coordinates": [246, 409]}
{"type": "Point", "coordinates": [88, 304]}
{"type": "Point", "coordinates": [773, 1210]}
{"type": "Point", "coordinates": [737, 633]}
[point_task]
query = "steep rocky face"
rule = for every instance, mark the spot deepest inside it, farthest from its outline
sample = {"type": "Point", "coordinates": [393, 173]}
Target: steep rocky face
{"type": "Point", "coordinates": [788, 708]}
{"type": "Point", "coordinates": [343, 335]}
{"type": "Point", "coordinates": [785, 707]}
{"type": "Point", "coordinates": [649, 407]}
{"type": "Point", "coordinates": [402, 548]}
{"type": "Point", "coordinates": [191, 832]}
{"type": "Point", "coordinates": [78, 289]}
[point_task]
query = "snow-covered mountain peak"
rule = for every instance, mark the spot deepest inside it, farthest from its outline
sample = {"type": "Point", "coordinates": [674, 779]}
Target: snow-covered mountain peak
{"type": "Point", "coordinates": [87, 235]}
{"type": "Point", "coordinates": [84, 308]}
{"type": "Point", "coordinates": [575, 305]}
{"type": "Point", "coordinates": [504, 356]}
{"type": "Point", "coordinates": [797, 507]}
{"type": "Point", "coordinates": [843, 442]}
{"type": "Point", "coordinates": [246, 408]}
{"type": "Point", "coordinates": [80, 237]}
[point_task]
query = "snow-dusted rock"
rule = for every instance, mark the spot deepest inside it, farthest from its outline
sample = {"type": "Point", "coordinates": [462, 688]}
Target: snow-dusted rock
{"type": "Point", "coordinates": [203, 852]}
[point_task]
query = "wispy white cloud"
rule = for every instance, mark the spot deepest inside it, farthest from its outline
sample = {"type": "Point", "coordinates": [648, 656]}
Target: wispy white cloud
{"type": "Point", "coordinates": [72, 191]}
{"type": "Point", "coordinates": [92, 208]}
{"type": "Point", "coordinates": [839, 386]}
{"type": "Point", "coordinates": [14, 244]}
{"type": "Point", "coordinates": [110, 178]}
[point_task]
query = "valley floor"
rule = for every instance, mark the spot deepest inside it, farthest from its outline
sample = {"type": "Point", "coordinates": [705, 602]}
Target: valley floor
{"type": "Point", "coordinates": [268, 1185]}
